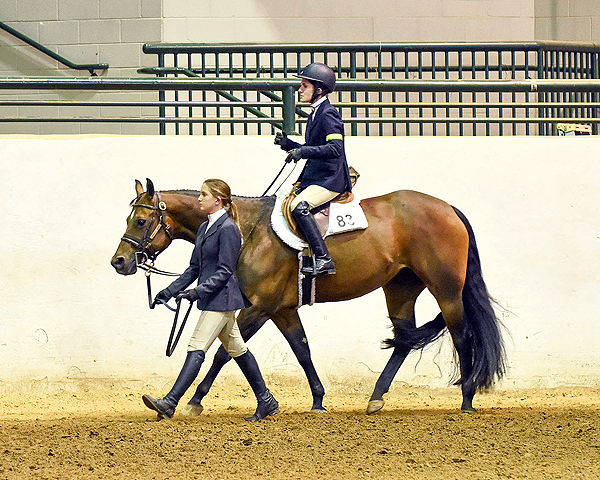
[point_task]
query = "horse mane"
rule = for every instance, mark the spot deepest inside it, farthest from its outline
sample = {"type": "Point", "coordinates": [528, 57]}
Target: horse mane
{"type": "Point", "coordinates": [184, 191]}
{"type": "Point", "coordinates": [195, 193]}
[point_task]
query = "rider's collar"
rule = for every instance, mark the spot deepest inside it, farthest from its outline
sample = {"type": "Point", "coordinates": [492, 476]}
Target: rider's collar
{"type": "Point", "coordinates": [213, 217]}
{"type": "Point", "coordinates": [318, 103]}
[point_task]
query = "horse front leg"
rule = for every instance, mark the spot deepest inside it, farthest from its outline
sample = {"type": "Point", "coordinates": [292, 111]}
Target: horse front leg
{"type": "Point", "coordinates": [249, 321]}
{"type": "Point", "coordinates": [289, 323]}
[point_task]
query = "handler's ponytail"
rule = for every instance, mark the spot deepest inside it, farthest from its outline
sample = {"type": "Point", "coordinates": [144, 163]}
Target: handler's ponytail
{"type": "Point", "coordinates": [218, 188]}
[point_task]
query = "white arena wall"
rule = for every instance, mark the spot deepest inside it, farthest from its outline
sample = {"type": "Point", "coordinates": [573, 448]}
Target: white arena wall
{"type": "Point", "coordinates": [67, 320]}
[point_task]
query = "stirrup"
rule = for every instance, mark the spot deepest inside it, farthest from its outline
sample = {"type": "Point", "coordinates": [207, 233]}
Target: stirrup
{"type": "Point", "coordinates": [321, 266]}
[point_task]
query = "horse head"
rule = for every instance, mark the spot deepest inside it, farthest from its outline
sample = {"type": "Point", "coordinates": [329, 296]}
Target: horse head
{"type": "Point", "coordinates": [147, 233]}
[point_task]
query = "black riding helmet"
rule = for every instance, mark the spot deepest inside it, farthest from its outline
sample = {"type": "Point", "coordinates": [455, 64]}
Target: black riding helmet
{"type": "Point", "coordinates": [320, 75]}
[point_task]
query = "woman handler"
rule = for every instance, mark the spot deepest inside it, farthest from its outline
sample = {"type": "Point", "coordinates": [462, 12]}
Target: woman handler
{"type": "Point", "coordinates": [325, 174]}
{"type": "Point", "coordinates": [218, 295]}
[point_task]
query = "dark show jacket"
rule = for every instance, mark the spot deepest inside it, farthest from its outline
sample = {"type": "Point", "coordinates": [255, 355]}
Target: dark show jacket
{"type": "Point", "coordinates": [326, 163]}
{"type": "Point", "coordinates": [213, 264]}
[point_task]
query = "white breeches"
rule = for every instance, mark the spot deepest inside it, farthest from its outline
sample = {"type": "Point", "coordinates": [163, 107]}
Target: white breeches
{"type": "Point", "coordinates": [218, 324]}
{"type": "Point", "coordinates": [314, 196]}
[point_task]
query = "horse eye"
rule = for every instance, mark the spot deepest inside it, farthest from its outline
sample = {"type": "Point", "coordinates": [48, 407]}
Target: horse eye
{"type": "Point", "coordinates": [141, 222]}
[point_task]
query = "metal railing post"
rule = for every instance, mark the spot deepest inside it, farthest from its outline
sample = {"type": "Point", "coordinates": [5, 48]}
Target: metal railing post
{"type": "Point", "coordinates": [289, 110]}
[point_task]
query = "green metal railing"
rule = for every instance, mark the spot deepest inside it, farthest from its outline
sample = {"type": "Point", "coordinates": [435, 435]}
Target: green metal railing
{"type": "Point", "coordinates": [392, 61]}
{"type": "Point", "coordinates": [90, 67]}
{"type": "Point", "coordinates": [520, 115]}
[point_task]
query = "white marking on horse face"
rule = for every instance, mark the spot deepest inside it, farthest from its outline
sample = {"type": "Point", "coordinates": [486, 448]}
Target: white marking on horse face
{"type": "Point", "coordinates": [130, 217]}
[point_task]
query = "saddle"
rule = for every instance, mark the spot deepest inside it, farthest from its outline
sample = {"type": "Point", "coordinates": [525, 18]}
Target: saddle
{"type": "Point", "coordinates": [344, 214]}
{"type": "Point", "coordinates": [322, 213]}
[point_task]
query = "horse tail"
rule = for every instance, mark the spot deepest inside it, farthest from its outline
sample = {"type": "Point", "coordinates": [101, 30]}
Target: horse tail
{"type": "Point", "coordinates": [482, 326]}
{"type": "Point", "coordinates": [407, 337]}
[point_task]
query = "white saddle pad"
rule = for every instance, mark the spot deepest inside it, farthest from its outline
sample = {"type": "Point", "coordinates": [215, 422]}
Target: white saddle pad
{"type": "Point", "coordinates": [343, 217]}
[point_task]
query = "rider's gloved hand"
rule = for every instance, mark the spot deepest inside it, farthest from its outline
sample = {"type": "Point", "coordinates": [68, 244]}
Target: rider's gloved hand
{"type": "Point", "coordinates": [283, 141]}
{"type": "Point", "coordinates": [280, 137]}
{"type": "Point", "coordinates": [162, 297]}
{"type": "Point", "coordinates": [191, 295]}
{"type": "Point", "coordinates": [294, 154]}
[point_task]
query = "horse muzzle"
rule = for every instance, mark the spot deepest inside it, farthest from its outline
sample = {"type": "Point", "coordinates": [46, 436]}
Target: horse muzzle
{"type": "Point", "coordinates": [122, 266]}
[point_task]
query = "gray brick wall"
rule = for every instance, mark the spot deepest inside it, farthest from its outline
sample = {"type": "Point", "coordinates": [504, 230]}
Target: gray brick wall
{"type": "Point", "coordinates": [568, 20]}
{"type": "Point", "coordinates": [348, 21]}
{"type": "Point", "coordinates": [83, 31]}
{"type": "Point", "coordinates": [113, 31]}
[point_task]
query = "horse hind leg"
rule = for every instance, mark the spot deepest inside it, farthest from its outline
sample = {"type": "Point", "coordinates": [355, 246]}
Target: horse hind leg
{"type": "Point", "coordinates": [407, 337]}
{"type": "Point", "coordinates": [475, 328]}
{"type": "Point", "coordinates": [480, 354]}
{"type": "Point", "coordinates": [396, 360]}
{"type": "Point", "coordinates": [454, 316]}
{"type": "Point", "coordinates": [401, 295]}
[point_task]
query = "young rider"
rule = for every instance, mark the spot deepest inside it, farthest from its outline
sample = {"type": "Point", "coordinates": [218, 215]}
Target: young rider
{"type": "Point", "coordinates": [325, 174]}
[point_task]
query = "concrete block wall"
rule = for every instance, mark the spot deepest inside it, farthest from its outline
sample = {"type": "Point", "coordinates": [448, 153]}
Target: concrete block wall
{"type": "Point", "coordinates": [113, 32]}
{"type": "Point", "coordinates": [348, 21]}
{"type": "Point", "coordinates": [82, 31]}
{"type": "Point", "coordinates": [572, 20]}
{"type": "Point", "coordinates": [90, 31]}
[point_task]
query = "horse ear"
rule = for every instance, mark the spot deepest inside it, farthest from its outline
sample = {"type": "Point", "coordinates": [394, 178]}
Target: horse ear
{"type": "Point", "coordinates": [150, 188]}
{"type": "Point", "coordinates": [139, 188]}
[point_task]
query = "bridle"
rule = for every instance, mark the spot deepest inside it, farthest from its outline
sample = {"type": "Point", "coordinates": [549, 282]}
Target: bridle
{"type": "Point", "coordinates": [146, 253]}
{"type": "Point", "coordinates": [145, 256]}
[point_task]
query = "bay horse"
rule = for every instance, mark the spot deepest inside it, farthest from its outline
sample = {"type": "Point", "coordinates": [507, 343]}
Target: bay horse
{"type": "Point", "coordinates": [414, 241]}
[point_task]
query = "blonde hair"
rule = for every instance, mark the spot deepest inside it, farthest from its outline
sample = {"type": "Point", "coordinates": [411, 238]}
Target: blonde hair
{"type": "Point", "coordinates": [219, 188]}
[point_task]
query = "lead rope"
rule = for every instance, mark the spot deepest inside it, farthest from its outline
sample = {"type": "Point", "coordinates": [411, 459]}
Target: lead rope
{"type": "Point", "coordinates": [171, 344]}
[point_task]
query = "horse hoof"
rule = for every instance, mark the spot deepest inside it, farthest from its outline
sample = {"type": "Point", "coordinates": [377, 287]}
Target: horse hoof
{"type": "Point", "coordinates": [468, 410]}
{"type": "Point", "coordinates": [375, 406]}
{"type": "Point", "coordinates": [319, 410]}
{"type": "Point", "coordinates": [191, 410]}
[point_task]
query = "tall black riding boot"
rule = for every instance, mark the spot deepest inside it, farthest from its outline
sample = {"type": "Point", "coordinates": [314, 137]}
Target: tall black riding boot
{"type": "Point", "coordinates": [267, 405]}
{"type": "Point", "coordinates": [308, 226]}
{"type": "Point", "coordinates": [166, 406]}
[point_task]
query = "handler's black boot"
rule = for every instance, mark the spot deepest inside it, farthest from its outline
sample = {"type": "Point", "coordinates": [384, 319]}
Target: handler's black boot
{"type": "Point", "coordinates": [267, 405]}
{"type": "Point", "coordinates": [308, 226]}
{"type": "Point", "coordinates": [166, 406]}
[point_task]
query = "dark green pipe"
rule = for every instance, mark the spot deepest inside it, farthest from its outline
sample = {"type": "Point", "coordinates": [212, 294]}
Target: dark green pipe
{"type": "Point", "coordinates": [90, 67]}
{"type": "Point", "coordinates": [173, 84]}
{"type": "Point", "coordinates": [152, 48]}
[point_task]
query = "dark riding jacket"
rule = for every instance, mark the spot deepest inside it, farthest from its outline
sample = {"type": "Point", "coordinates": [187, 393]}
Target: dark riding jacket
{"type": "Point", "coordinates": [213, 264]}
{"type": "Point", "coordinates": [324, 151]}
